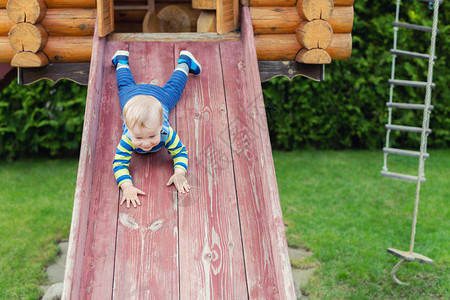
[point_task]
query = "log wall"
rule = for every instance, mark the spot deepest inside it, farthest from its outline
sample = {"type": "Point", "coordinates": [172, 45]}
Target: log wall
{"type": "Point", "coordinates": [309, 31]}
{"type": "Point", "coordinates": [34, 33]}
{"type": "Point", "coordinates": [284, 29]}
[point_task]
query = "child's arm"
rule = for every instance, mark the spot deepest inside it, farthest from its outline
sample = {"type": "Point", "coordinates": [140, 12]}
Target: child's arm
{"type": "Point", "coordinates": [180, 162]}
{"type": "Point", "coordinates": [123, 178]}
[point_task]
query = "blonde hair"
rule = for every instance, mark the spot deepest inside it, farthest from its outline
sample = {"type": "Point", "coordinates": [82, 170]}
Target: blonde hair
{"type": "Point", "coordinates": [141, 108]}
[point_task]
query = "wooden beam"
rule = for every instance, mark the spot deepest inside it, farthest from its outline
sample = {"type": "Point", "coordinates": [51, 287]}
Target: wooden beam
{"type": "Point", "coordinates": [275, 20]}
{"type": "Point", "coordinates": [28, 37]}
{"type": "Point", "coordinates": [343, 2]}
{"type": "Point", "coordinates": [71, 3]}
{"type": "Point", "coordinates": [341, 46]}
{"type": "Point", "coordinates": [5, 22]}
{"type": "Point", "coordinates": [172, 37]}
{"type": "Point", "coordinates": [29, 59]}
{"type": "Point", "coordinates": [289, 69]}
{"type": "Point", "coordinates": [129, 2]}
{"type": "Point", "coordinates": [313, 56]}
{"type": "Point", "coordinates": [204, 4]}
{"type": "Point", "coordinates": [286, 47]}
{"type": "Point", "coordinates": [6, 52]}
{"type": "Point", "coordinates": [267, 20]}
{"type": "Point", "coordinates": [261, 3]}
{"type": "Point", "coordinates": [225, 16]}
{"type": "Point", "coordinates": [66, 3]}
{"type": "Point", "coordinates": [315, 9]}
{"type": "Point", "coordinates": [314, 34]}
{"type": "Point", "coordinates": [131, 7]}
{"type": "Point", "coordinates": [69, 49]}
{"type": "Point", "coordinates": [105, 17]}
{"type": "Point", "coordinates": [77, 72]}
{"type": "Point", "coordinates": [70, 22]}
{"type": "Point", "coordinates": [63, 49]}
{"type": "Point", "coordinates": [342, 19]}
{"type": "Point", "coordinates": [276, 46]}
{"type": "Point", "coordinates": [145, 2]}
{"type": "Point", "coordinates": [206, 21]}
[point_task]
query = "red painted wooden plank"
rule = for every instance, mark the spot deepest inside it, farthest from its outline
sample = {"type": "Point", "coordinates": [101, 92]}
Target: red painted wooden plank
{"type": "Point", "coordinates": [98, 267]}
{"type": "Point", "coordinates": [147, 238]}
{"type": "Point", "coordinates": [259, 260]}
{"type": "Point", "coordinates": [269, 183]}
{"type": "Point", "coordinates": [79, 224]}
{"type": "Point", "coordinates": [211, 258]}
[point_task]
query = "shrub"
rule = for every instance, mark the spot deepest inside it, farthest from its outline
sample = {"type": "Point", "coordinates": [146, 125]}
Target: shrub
{"type": "Point", "coordinates": [41, 118]}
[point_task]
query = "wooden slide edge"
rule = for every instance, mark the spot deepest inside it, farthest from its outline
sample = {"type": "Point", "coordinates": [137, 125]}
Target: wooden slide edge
{"type": "Point", "coordinates": [271, 196]}
{"type": "Point", "coordinates": [79, 225]}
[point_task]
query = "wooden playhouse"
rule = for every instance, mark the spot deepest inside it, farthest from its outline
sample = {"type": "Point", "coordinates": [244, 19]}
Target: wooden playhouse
{"type": "Point", "coordinates": [56, 35]}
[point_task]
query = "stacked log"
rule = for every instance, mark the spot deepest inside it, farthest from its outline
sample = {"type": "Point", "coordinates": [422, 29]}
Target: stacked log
{"type": "Point", "coordinates": [309, 31]}
{"type": "Point", "coordinates": [44, 31]}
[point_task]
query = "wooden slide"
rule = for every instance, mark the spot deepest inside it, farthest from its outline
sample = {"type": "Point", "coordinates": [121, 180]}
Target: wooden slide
{"type": "Point", "coordinates": [226, 238]}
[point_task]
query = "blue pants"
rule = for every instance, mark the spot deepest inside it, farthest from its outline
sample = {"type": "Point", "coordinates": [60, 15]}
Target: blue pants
{"type": "Point", "coordinates": [169, 95]}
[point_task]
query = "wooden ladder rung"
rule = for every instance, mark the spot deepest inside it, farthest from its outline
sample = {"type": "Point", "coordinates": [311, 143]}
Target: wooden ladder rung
{"type": "Point", "coordinates": [402, 177]}
{"type": "Point", "coordinates": [404, 152]}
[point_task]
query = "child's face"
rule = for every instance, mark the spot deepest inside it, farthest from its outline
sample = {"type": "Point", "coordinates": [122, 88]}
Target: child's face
{"type": "Point", "coordinates": [146, 137]}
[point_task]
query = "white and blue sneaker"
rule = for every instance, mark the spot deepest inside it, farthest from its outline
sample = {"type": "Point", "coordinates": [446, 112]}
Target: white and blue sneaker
{"type": "Point", "coordinates": [189, 59]}
{"type": "Point", "coordinates": [120, 57]}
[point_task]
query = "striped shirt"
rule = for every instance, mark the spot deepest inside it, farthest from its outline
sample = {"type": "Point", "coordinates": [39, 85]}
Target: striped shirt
{"type": "Point", "coordinates": [126, 148]}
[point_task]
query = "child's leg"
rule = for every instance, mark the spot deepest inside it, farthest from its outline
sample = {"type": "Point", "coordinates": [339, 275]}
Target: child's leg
{"type": "Point", "coordinates": [124, 76]}
{"type": "Point", "coordinates": [123, 73]}
{"type": "Point", "coordinates": [175, 86]}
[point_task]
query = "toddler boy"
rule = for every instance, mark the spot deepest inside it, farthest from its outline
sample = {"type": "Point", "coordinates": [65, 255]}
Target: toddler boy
{"type": "Point", "coordinates": [146, 125]}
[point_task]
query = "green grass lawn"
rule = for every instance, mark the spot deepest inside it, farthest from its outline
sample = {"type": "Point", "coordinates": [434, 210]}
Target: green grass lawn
{"type": "Point", "coordinates": [36, 198]}
{"type": "Point", "coordinates": [337, 205]}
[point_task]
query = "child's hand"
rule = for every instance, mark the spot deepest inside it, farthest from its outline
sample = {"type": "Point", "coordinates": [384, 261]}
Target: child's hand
{"type": "Point", "coordinates": [130, 194]}
{"type": "Point", "coordinates": [179, 180]}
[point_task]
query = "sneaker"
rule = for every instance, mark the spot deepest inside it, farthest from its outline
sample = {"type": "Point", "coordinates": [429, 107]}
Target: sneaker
{"type": "Point", "coordinates": [120, 57]}
{"type": "Point", "coordinates": [189, 59]}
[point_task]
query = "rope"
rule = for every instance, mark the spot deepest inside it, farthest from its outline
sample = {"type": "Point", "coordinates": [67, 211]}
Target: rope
{"type": "Point", "coordinates": [394, 270]}
{"type": "Point", "coordinates": [426, 112]}
{"type": "Point", "coordinates": [391, 88]}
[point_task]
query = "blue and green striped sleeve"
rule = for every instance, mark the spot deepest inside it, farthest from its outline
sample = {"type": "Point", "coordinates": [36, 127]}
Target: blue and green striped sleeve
{"type": "Point", "coordinates": [177, 150]}
{"type": "Point", "coordinates": [122, 160]}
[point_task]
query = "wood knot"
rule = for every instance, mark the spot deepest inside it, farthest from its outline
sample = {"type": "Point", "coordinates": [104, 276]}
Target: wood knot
{"type": "Point", "coordinates": [207, 256]}
{"type": "Point", "coordinates": [83, 27]}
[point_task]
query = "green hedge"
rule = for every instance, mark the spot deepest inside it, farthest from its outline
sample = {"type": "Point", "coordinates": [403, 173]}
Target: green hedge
{"type": "Point", "coordinates": [347, 110]}
{"type": "Point", "coordinates": [42, 118]}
